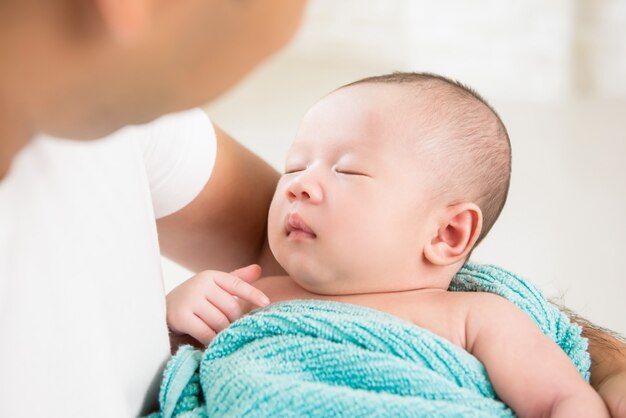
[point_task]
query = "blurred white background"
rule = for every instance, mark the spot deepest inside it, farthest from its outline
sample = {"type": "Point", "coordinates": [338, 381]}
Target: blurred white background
{"type": "Point", "coordinates": [555, 71]}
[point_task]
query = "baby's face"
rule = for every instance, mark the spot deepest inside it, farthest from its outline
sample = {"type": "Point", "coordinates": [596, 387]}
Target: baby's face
{"type": "Point", "coordinates": [352, 211]}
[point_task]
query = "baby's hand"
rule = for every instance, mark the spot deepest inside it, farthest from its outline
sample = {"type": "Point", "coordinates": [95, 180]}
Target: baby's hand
{"type": "Point", "coordinates": [205, 304]}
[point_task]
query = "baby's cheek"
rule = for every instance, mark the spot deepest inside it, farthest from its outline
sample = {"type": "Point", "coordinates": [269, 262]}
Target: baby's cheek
{"type": "Point", "coordinates": [274, 225]}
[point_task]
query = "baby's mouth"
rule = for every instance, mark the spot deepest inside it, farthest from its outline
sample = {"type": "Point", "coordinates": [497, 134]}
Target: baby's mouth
{"type": "Point", "coordinates": [295, 227]}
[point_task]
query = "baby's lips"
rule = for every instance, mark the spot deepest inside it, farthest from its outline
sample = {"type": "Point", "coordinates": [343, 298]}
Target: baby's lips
{"type": "Point", "coordinates": [295, 222]}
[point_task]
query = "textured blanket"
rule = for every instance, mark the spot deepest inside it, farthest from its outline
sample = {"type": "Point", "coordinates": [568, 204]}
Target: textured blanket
{"type": "Point", "coordinates": [315, 358]}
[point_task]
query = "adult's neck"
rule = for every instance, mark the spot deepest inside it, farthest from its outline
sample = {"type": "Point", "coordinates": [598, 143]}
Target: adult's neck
{"type": "Point", "coordinates": [14, 127]}
{"type": "Point", "coordinates": [14, 134]}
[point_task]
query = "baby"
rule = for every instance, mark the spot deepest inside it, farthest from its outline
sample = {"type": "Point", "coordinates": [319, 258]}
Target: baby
{"type": "Point", "coordinates": [390, 183]}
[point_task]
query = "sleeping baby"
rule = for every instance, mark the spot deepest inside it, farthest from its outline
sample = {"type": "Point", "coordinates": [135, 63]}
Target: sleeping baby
{"type": "Point", "coordinates": [389, 185]}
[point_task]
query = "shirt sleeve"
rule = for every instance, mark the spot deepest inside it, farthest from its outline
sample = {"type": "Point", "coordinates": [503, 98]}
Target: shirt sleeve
{"type": "Point", "coordinates": [179, 153]}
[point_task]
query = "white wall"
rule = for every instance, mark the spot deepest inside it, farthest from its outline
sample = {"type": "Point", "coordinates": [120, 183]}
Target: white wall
{"type": "Point", "coordinates": [554, 70]}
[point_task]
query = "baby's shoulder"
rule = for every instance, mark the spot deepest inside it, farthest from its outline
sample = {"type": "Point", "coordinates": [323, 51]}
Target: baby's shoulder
{"type": "Point", "coordinates": [442, 312]}
{"type": "Point", "coordinates": [468, 301]}
{"type": "Point", "coordinates": [489, 314]}
{"type": "Point", "coordinates": [481, 306]}
{"type": "Point", "coordinates": [482, 302]}
{"type": "Point", "coordinates": [454, 315]}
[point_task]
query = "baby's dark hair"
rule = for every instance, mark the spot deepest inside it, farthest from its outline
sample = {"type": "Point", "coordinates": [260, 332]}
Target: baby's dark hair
{"type": "Point", "coordinates": [477, 149]}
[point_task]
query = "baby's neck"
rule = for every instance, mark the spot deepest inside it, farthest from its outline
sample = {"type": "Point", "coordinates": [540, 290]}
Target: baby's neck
{"type": "Point", "coordinates": [426, 278]}
{"type": "Point", "coordinates": [280, 288]}
{"type": "Point", "coordinates": [283, 288]}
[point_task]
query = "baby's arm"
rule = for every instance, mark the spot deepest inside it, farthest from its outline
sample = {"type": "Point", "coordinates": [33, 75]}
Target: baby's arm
{"type": "Point", "coordinates": [208, 302]}
{"type": "Point", "coordinates": [529, 372]}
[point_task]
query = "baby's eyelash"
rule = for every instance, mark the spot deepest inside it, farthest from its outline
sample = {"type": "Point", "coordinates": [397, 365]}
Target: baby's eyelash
{"type": "Point", "coordinates": [350, 172]}
{"type": "Point", "coordinates": [293, 170]}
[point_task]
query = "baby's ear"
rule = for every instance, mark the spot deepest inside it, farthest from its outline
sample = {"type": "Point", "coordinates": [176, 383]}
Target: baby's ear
{"type": "Point", "coordinates": [458, 229]}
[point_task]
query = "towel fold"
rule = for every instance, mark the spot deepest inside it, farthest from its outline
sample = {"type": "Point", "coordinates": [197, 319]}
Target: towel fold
{"type": "Point", "coordinates": [320, 358]}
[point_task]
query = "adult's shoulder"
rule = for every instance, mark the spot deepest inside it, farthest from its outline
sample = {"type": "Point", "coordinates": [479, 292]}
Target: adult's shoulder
{"type": "Point", "coordinates": [179, 152]}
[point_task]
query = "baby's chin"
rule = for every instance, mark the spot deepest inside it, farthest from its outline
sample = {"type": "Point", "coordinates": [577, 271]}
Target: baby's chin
{"type": "Point", "coordinates": [332, 287]}
{"type": "Point", "coordinates": [345, 285]}
{"type": "Point", "coordinates": [323, 286]}
{"type": "Point", "coordinates": [323, 280]}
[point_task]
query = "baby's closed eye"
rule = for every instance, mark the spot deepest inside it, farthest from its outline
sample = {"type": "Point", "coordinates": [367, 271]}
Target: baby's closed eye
{"type": "Point", "coordinates": [349, 171]}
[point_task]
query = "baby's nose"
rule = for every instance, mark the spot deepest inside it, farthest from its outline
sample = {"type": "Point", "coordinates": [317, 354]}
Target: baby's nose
{"type": "Point", "coordinates": [305, 190]}
{"type": "Point", "coordinates": [299, 195]}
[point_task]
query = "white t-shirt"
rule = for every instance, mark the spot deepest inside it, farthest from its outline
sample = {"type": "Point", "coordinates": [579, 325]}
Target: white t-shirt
{"type": "Point", "coordinates": [82, 305]}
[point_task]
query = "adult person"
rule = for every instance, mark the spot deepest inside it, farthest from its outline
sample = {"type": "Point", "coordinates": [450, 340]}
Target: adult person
{"type": "Point", "coordinates": [82, 305]}
{"type": "Point", "coordinates": [81, 300]}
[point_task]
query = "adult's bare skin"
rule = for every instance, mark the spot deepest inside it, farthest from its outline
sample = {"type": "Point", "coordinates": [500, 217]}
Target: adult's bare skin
{"type": "Point", "coordinates": [608, 369]}
{"type": "Point", "coordinates": [213, 232]}
{"type": "Point", "coordinates": [608, 363]}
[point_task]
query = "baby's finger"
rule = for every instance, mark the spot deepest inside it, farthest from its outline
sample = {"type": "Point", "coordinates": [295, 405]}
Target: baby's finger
{"type": "Point", "coordinates": [237, 287]}
{"type": "Point", "coordinates": [199, 330]}
{"type": "Point", "coordinates": [249, 273]}
{"type": "Point", "coordinates": [212, 316]}
{"type": "Point", "coordinates": [225, 302]}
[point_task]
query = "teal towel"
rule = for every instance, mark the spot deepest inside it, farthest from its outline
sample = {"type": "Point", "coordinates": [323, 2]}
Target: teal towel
{"type": "Point", "coordinates": [324, 359]}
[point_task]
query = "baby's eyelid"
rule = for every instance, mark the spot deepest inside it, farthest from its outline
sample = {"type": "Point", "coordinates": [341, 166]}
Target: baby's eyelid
{"type": "Point", "coordinates": [293, 170]}
{"type": "Point", "coordinates": [348, 172]}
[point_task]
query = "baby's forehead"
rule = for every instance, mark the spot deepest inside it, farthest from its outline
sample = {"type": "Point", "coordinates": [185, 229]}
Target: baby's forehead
{"type": "Point", "coordinates": [366, 113]}
{"type": "Point", "coordinates": [382, 97]}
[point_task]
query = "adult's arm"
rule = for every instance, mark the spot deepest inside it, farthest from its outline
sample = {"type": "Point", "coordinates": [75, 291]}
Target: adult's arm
{"type": "Point", "coordinates": [608, 368]}
{"type": "Point", "coordinates": [225, 226]}
{"type": "Point", "coordinates": [608, 363]}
